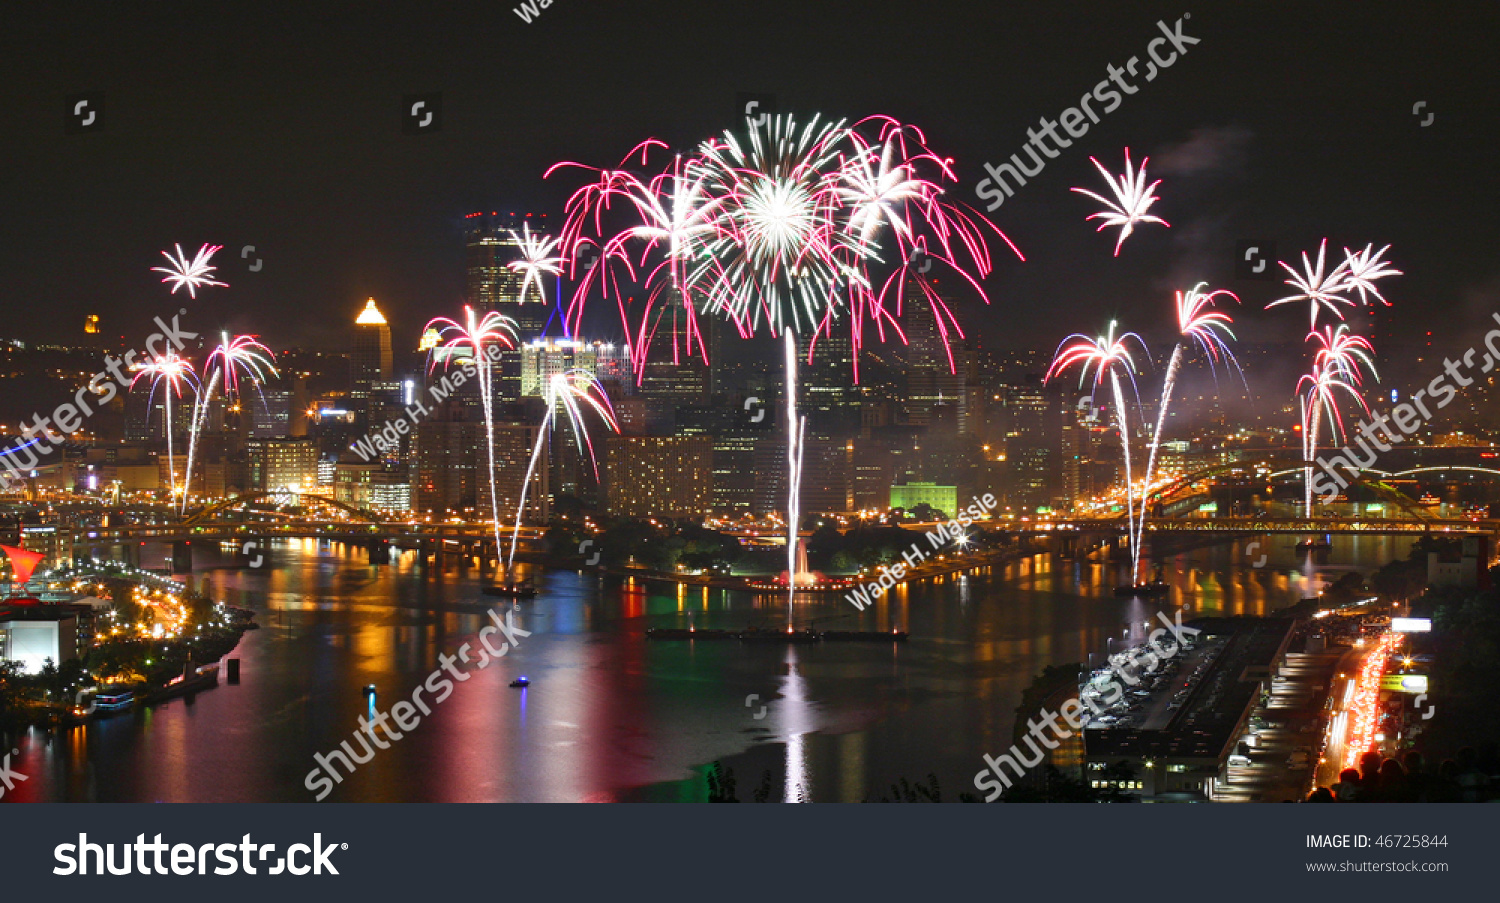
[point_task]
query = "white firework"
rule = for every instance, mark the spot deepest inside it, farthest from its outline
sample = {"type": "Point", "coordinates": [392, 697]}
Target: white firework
{"type": "Point", "coordinates": [1133, 197]}
{"type": "Point", "coordinates": [535, 260]}
{"type": "Point", "coordinates": [190, 274]}
{"type": "Point", "coordinates": [1364, 268]}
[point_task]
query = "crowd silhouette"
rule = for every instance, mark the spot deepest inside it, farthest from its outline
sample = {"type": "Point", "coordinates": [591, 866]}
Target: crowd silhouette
{"type": "Point", "coordinates": [1467, 779]}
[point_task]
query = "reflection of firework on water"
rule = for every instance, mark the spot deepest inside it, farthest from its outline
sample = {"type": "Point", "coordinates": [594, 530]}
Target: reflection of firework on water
{"type": "Point", "coordinates": [1133, 198]}
{"type": "Point", "coordinates": [1336, 369]}
{"type": "Point", "coordinates": [240, 356]}
{"type": "Point", "coordinates": [1198, 323]}
{"type": "Point", "coordinates": [572, 392]}
{"type": "Point", "coordinates": [173, 372]}
{"type": "Point", "coordinates": [782, 228]}
{"type": "Point", "coordinates": [477, 335]}
{"type": "Point", "coordinates": [190, 274]}
{"type": "Point", "coordinates": [1107, 355]}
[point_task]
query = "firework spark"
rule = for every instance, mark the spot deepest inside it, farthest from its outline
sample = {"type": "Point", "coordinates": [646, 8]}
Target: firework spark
{"type": "Point", "coordinates": [1133, 197]}
{"type": "Point", "coordinates": [1321, 288]}
{"type": "Point", "coordinates": [574, 392]}
{"type": "Point", "coordinates": [1103, 356]}
{"type": "Point", "coordinates": [243, 355]}
{"type": "Point", "coordinates": [1199, 323]}
{"type": "Point", "coordinates": [1336, 371]}
{"type": "Point", "coordinates": [536, 260]}
{"type": "Point", "coordinates": [1364, 268]}
{"type": "Point", "coordinates": [193, 274]}
{"type": "Point", "coordinates": [782, 228]}
{"type": "Point", "coordinates": [173, 372]}
{"type": "Point", "coordinates": [477, 335]}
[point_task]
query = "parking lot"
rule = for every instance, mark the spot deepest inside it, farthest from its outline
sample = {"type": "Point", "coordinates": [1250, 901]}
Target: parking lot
{"type": "Point", "coordinates": [1278, 758]}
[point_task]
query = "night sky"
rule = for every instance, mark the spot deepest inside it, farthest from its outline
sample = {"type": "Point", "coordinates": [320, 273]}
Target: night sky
{"type": "Point", "coordinates": [277, 125]}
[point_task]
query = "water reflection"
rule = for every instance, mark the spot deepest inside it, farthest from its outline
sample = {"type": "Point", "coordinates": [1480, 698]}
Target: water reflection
{"type": "Point", "coordinates": [611, 716]}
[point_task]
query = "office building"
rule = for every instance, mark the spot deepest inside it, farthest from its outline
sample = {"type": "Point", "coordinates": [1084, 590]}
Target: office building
{"type": "Point", "coordinates": [659, 476]}
{"type": "Point", "coordinates": [370, 362]}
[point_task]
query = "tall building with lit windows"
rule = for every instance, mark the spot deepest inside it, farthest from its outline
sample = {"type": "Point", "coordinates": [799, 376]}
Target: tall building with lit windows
{"type": "Point", "coordinates": [370, 364]}
{"type": "Point", "coordinates": [490, 247]}
{"type": "Point", "coordinates": [659, 476]}
{"type": "Point", "coordinates": [542, 359]}
{"type": "Point", "coordinates": [282, 464]}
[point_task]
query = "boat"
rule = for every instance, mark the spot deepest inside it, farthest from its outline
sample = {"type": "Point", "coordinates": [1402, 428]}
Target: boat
{"type": "Point", "coordinates": [1156, 588]}
{"type": "Point", "coordinates": [778, 636]}
{"type": "Point", "coordinates": [509, 590]}
{"type": "Point", "coordinates": [688, 633]}
{"type": "Point", "coordinates": [864, 636]}
{"type": "Point", "coordinates": [186, 684]}
{"type": "Point", "coordinates": [522, 682]}
{"type": "Point", "coordinates": [113, 698]}
{"type": "Point", "coordinates": [1314, 545]}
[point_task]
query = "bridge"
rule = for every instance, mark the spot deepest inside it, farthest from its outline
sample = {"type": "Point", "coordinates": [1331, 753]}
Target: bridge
{"type": "Point", "coordinates": [254, 527]}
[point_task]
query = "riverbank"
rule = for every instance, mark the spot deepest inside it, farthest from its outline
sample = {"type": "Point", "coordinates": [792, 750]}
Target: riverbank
{"type": "Point", "coordinates": [939, 566]}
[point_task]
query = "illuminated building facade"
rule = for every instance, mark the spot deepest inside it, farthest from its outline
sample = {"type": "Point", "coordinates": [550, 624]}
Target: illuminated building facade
{"type": "Point", "coordinates": [370, 363]}
{"type": "Point", "coordinates": [659, 476]}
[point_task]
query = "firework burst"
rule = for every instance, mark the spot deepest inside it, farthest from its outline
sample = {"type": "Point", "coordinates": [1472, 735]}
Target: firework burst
{"type": "Point", "coordinates": [1338, 370]}
{"type": "Point", "coordinates": [574, 393]}
{"type": "Point", "coordinates": [173, 373]}
{"type": "Point", "coordinates": [1200, 324]}
{"type": "Point", "coordinates": [190, 274]}
{"type": "Point", "coordinates": [1105, 356]}
{"type": "Point", "coordinates": [1363, 268]}
{"type": "Point", "coordinates": [1133, 197]}
{"type": "Point", "coordinates": [536, 260]}
{"type": "Point", "coordinates": [782, 228]}
{"type": "Point", "coordinates": [233, 358]}
{"type": "Point", "coordinates": [477, 335]}
{"type": "Point", "coordinates": [1321, 288]}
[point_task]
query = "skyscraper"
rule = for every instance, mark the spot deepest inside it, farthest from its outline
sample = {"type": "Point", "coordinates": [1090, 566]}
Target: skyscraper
{"type": "Point", "coordinates": [489, 249]}
{"type": "Point", "coordinates": [370, 364]}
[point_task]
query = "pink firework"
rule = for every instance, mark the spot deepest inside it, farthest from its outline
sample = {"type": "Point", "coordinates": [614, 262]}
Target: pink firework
{"type": "Point", "coordinates": [173, 372]}
{"type": "Point", "coordinates": [1321, 288]}
{"type": "Point", "coordinates": [232, 358]}
{"type": "Point", "coordinates": [1102, 356]}
{"type": "Point", "coordinates": [1336, 371]}
{"type": "Point", "coordinates": [1199, 323]}
{"type": "Point", "coordinates": [1363, 268]}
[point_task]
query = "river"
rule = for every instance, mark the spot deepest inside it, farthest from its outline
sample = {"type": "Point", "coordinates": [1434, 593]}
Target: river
{"type": "Point", "coordinates": [610, 716]}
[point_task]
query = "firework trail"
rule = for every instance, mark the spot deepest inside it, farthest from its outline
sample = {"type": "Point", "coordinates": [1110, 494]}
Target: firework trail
{"type": "Point", "coordinates": [240, 356]}
{"type": "Point", "coordinates": [783, 229]}
{"type": "Point", "coordinates": [1336, 369]}
{"type": "Point", "coordinates": [1206, 328]}
{"type": "Point", "coordinates": [1337, 363]}
{"type": "Point", "coordinates": [1133, 198]}
{"type": "Point", "coordinates": [478, 334]}
{"type": "Point", "coordinates": [172, 371]}
{"type": "Point", "coordinates": [1105, 356]}
{"type": "Point", "coordinates": [571, 391]}
{"type": "Point", "coordinates": [190, 274]}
